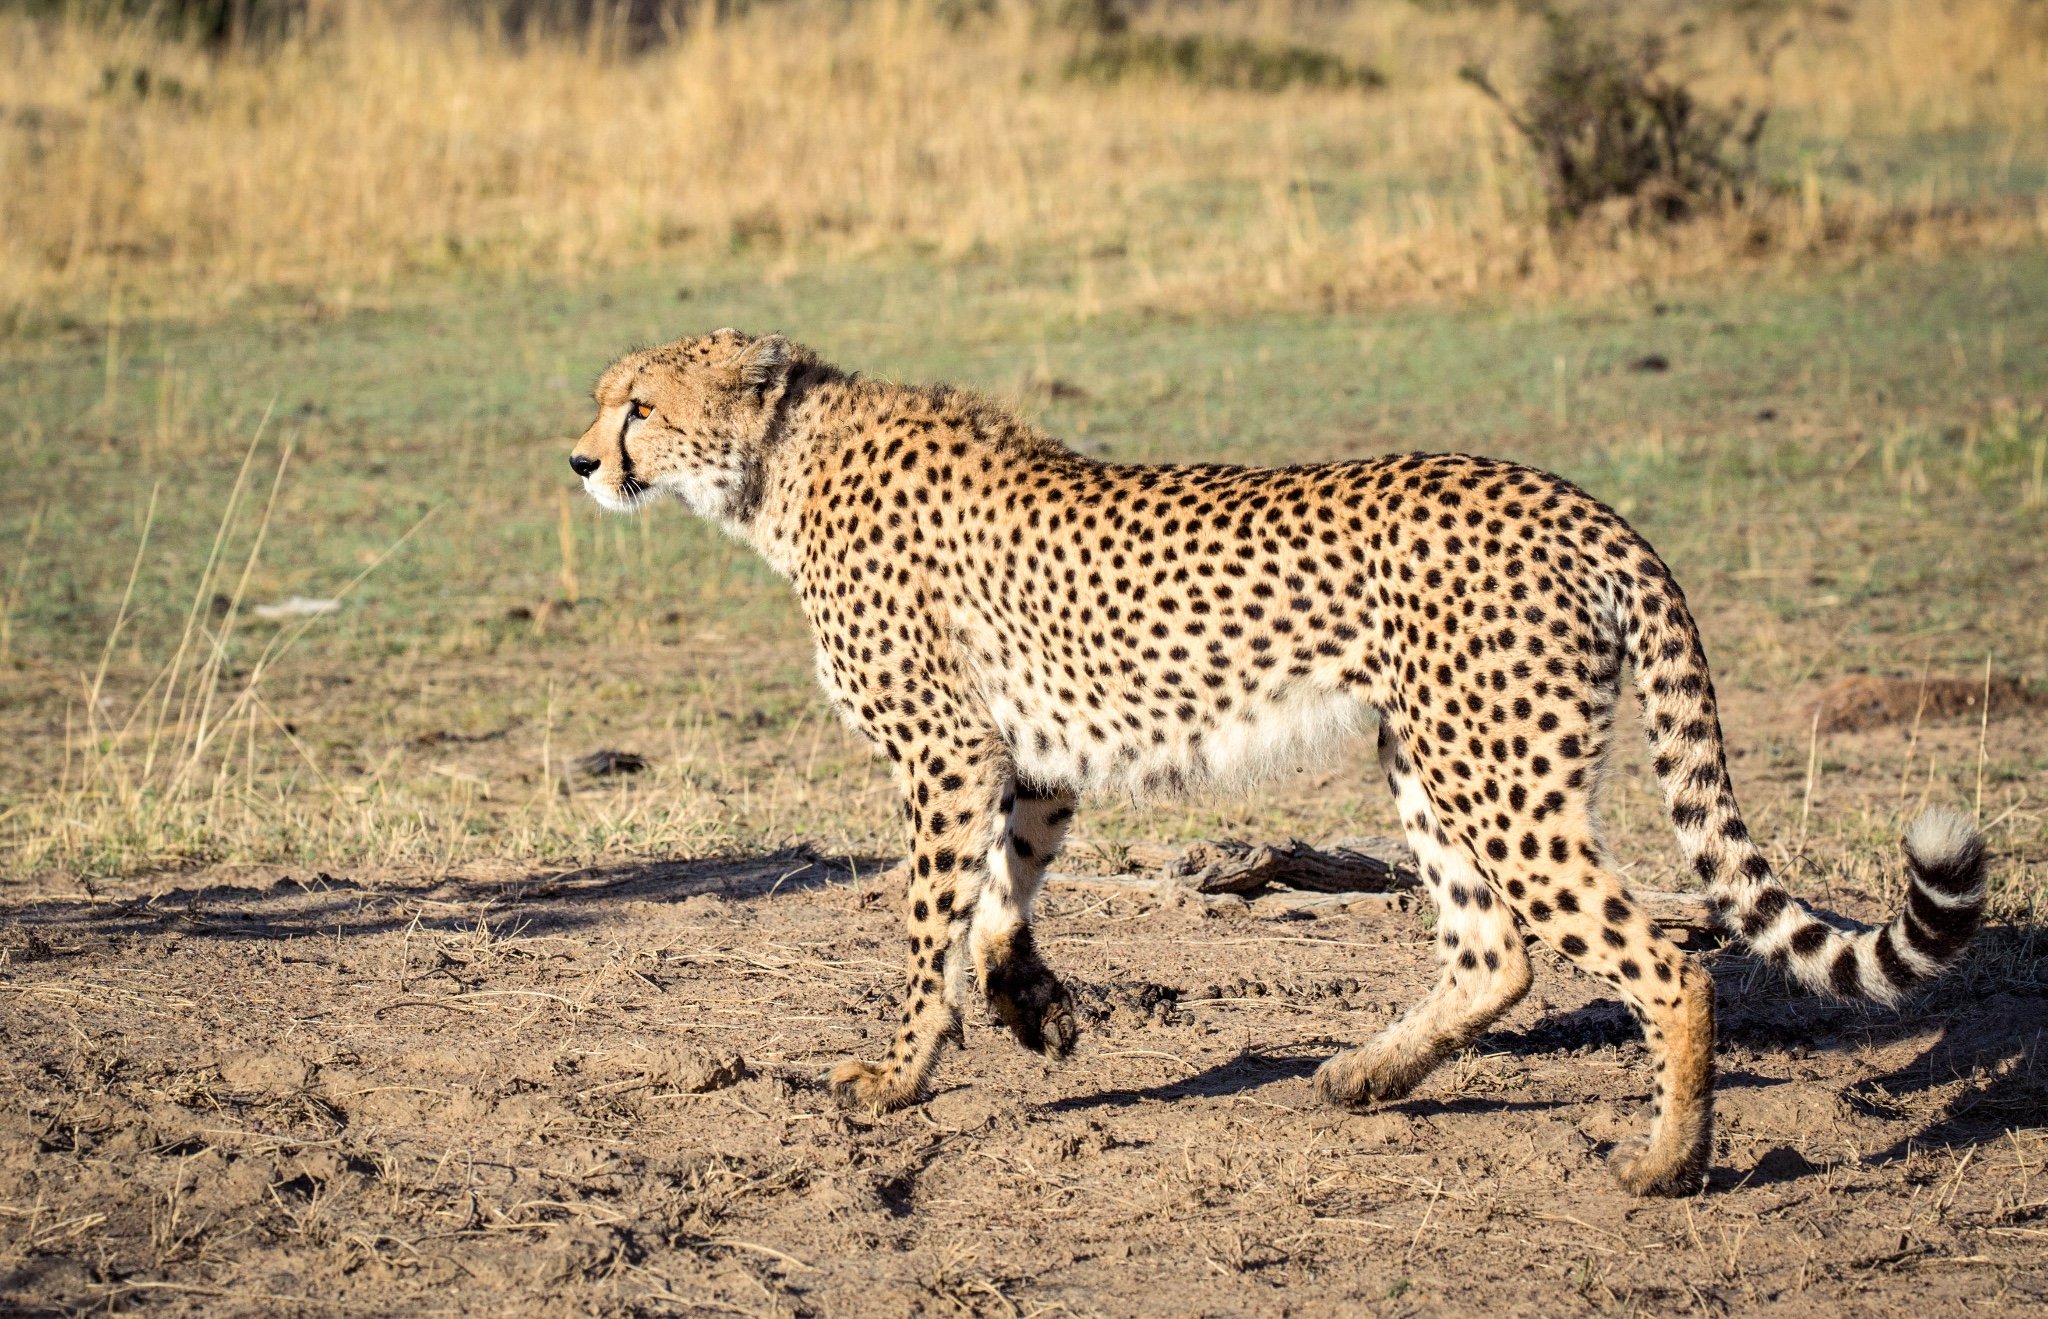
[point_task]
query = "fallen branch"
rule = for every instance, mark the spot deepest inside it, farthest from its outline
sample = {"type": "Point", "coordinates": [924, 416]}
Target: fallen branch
{"type": "Point", "coordinates": [1274, 901]}
{"type": "Point", "coordinates": [1364, 865]}
{"type": "Point", "coordinates": [1356, 875]}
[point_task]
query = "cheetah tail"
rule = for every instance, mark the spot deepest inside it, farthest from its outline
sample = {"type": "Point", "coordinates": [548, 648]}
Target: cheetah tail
{"type": "Point", "coordinates": [1944, 852]}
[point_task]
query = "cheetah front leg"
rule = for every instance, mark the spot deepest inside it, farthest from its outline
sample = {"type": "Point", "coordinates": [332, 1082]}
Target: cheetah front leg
{"type": "Point", "coordinates": [952, 788]}
{"type": "Point", "coordinates": [1023, 991]}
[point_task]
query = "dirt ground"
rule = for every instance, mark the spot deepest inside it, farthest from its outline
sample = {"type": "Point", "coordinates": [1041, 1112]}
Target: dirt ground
{"type": "Point", "coordinates": [597, 1092]}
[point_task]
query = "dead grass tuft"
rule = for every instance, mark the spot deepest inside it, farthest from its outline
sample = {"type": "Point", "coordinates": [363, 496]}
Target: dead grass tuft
{"type": "Point", "coordinates": [378, 141]}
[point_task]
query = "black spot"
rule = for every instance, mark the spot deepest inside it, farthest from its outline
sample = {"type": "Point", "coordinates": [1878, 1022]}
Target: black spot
{"type": "Point", "coordinates": [1763, 911]}
{"type": "Point", "coordinates": [1894, 966]}
{"type": "Point", "coordinates": [1939, 932]}
{"type": "Point", "coordinates": [1846, 978]}
{"type": "Point", "coordinates": [1962, 873]}
{"type": "Point", "coordinates": [1810, 939]}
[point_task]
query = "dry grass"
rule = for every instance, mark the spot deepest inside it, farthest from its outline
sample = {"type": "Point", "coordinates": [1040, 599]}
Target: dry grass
{"type": "Point", "coordinates": [194, 763]}
{"type": "Point", "coordinates": [432, 726]}
{"type": "Point", "coordinates": [390, 143]}
{"type": "Point", "coordinates": [387, 144]}
{"type": "Point", "coordinates": [198, 765]}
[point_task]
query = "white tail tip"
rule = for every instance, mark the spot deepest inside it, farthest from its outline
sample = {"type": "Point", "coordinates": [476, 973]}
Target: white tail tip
{"type": "Point", "coordinates": [1941, 837]}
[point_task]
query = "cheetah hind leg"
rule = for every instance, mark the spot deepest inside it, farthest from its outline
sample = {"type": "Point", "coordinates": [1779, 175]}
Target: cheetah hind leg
{"type": "Point", "coordinates": [1485, 970]}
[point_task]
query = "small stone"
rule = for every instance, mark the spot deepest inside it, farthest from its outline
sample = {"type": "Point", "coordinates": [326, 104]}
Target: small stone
{"type": "Point", "coordinates": [606, 762]}
{"type": "Point", "coordinates": [271, 1075]}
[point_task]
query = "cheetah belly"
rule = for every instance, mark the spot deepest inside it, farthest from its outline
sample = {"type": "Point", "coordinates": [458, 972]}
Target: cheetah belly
{"type": "Point", "coordinates": [1294, 727]}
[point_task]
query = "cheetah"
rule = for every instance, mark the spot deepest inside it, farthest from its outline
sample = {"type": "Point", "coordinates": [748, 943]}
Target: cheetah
{"type": "Point", "coordinates": [1015, 626]}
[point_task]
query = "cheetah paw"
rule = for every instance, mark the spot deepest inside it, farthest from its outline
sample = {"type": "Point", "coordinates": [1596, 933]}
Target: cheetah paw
{"type": "Point", "coordinates": [1359, 1078]}
{"type": "Point", "coordinates": [870, 1087]}
{"type": "Point", "coordinates": [1641, 1170]}
{"type": "Point", "coordinates": [1039, 1013]}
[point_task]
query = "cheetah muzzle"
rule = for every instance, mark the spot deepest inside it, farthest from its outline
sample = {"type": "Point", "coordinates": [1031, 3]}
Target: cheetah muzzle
{"type": "Point", "coordinates": [1015, 625]}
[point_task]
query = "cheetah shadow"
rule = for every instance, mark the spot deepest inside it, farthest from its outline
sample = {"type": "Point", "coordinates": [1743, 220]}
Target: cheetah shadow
{"type": "Point", "coordinates": [1249, 1070]}
{"type": "Point", "coordinates": [1974, 1078]}
{"type": "Point", "coordinates": [1987, 1021]}
{"type": "Point", "coordinates": [1986, 1018]}
{"type": "Point", "coordinates": [1990, 1016]}
{"type": "Point", "coordinates": [329, 906]}
{"type": "Point", "coordinates": [1255, 1069]}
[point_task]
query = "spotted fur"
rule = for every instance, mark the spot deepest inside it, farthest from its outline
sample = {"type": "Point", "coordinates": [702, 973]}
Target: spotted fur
{"type": "Point", "coordinates": [1014, 625]}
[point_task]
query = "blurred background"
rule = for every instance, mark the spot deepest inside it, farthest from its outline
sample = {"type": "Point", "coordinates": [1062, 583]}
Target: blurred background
{"type": "Point", "coordinates": [1184, 157]}
{"type": "Point", "coordinates": [299, 299]}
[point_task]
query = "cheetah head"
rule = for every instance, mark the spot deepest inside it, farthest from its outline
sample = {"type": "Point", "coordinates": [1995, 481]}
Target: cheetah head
{"type": "Point", "coordinates": [690, 419]}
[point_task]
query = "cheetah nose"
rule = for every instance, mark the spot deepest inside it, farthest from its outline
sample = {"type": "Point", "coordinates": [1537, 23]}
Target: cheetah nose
{"type": "Point", "coordinates": [583, 466]}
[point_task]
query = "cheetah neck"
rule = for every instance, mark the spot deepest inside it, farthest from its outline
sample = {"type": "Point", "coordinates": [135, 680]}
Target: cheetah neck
{"type": "Point", "coordinates": [802, 433]}
{"type": "Point", "coordinates": [825, 418]}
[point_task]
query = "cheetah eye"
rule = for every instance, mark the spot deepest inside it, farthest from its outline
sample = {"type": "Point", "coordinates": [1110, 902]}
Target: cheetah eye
{"type": "Point", "coordinates": [641, 410]}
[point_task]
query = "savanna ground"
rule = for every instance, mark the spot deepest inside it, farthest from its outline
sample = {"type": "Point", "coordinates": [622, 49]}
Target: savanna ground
{"type": "Point", "coordinates": [331, 982]}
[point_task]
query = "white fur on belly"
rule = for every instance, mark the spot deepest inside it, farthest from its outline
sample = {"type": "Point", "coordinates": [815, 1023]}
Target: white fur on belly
{"type": "Point", "coordinates": [1297, 727]}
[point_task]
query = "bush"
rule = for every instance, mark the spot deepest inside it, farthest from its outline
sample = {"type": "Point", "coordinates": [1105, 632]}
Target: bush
{"type": "Point", "coordinates": [625, 26]}
{"type": "Point", "coordinates": [217, 23]}
{"type": "Point", "coordinates": [1607, 124]}
{"type": "Point", "coordinates": [1203, 60]}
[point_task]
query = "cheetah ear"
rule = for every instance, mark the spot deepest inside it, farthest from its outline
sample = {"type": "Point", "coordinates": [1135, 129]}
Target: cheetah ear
{"type": "Point", "coordinates": [763, 364]}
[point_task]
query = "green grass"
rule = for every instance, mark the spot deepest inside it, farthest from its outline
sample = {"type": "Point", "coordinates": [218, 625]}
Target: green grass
{"type": "Point", "coordinates": [1844, 470]}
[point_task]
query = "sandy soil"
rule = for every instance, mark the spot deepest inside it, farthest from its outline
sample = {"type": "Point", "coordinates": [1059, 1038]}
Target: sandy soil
{"type": "Point", "coordinates": [597, 1092]}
